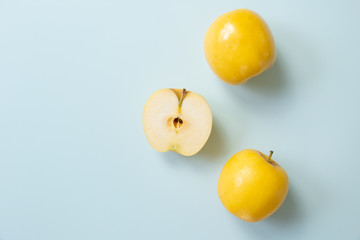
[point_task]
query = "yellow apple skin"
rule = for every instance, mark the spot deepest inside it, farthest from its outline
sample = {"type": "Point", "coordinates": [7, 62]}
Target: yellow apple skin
{"type": "Point", "coordinates": [250, 187]}
{"type": "Point", "coordinates": [238, 46]}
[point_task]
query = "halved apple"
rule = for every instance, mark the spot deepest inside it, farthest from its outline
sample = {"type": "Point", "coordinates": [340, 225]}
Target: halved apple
{"type": "Point", "coordinates": [177, 120]}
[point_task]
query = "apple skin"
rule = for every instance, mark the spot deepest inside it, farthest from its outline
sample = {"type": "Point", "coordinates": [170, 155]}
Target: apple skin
{"type": "Point", "coordinates": [238, 46]}
{"type": "Point", "coordinates": [251, 187]}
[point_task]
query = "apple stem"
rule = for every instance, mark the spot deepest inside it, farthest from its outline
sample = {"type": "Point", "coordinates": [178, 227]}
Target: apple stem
{"type": "Point", "coordinates": [182, 97]}
{"type": "Point", "coordinates": [271, 153]}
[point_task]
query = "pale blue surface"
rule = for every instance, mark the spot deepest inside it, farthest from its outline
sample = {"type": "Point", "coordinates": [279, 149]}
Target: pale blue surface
{"type": "Point", "coordinates": [75, 163]}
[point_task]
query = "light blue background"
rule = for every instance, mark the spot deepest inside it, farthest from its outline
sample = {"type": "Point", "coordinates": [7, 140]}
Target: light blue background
{"type": "Point", "coordinates": [75, 163]}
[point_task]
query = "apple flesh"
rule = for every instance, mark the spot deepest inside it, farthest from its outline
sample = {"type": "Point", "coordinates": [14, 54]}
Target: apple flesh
{"type": "Point", "coordinates": [177, 120]}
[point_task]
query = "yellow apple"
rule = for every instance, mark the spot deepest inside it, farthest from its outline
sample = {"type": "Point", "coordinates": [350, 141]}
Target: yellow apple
{"type": "Point", "coordinates": [177, 120]}
{"type": "Point", "coordinates": [238, 46]}
{"type": "Point", "coordinates": [252, 186]}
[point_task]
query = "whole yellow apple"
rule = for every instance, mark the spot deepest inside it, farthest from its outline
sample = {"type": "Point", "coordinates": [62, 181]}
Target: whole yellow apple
{"type": "Point", "coordinates": [238, 46]}
{"type": "Point", "coordinates": [252, 186]}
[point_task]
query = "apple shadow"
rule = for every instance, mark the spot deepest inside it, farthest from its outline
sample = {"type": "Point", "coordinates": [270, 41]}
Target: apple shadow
{"type": "Point", "coordinates": [268, 93]}
{"type": "Point", "coordinates": [215, 146]}
{"type": "Point", "coordinates": [270, 82]}
{"type": "Point", "coordinates": [288, 216]}
{"type": "Point", "coordinates": [289, 213]}
{"type": "Point", "coordinates": [268, 86]}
